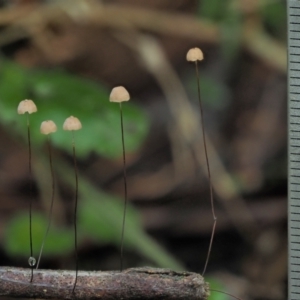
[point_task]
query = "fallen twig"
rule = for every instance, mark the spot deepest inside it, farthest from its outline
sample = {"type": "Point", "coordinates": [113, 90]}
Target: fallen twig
{"type": "Point", "coordinates": [30, 21]}
{"type": "Point", "coordinates": [137, 283]}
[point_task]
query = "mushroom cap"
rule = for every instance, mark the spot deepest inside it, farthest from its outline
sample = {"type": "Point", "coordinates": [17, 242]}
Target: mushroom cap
{"type": "Point", "coordinates": [194, 54]}
{"type": "Point", "coordinates": [48, 127]}
{"type": "Point", "coordinates": [119, 94]}
{"type": "Point", "coordinates": [26, 106]}
{"type": "Point", "coordinates": [72, 123]}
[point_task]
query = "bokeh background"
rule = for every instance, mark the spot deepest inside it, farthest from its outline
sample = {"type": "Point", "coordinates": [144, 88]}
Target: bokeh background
{"type": "Point", "coordinates": [67, 55]}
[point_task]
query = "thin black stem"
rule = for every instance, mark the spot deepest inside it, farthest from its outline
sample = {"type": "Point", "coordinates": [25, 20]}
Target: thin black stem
{"type": "Point", "coordinates": [208, 172]}
{"type": "Point", "coordinates": [125, 190]}
{"type": "Point", "coordinates": [52, 200]}
{"type": "Point", "coordinates": [30, 194]}
{"type": "Point", "coordinates": [235, 297]}
{"type": "Point", "coordinates": [75, 210]}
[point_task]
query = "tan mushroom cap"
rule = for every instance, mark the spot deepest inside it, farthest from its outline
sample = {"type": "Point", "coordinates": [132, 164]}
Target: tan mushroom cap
{"type": "Point", "coordinates": [48, 127]}
{"type": "Point", "coordinates": [119, 94]}
{"type": "Point", "coordinates": [26, 106]}
{"type": "Point", "coordinates": [72, 123]}
{"type": "Point", "coordinates": [194, 54]}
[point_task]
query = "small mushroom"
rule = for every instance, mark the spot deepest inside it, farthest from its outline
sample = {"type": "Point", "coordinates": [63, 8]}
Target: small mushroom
{"type": "Point", "coordinates": [194, 54]}
{"type": "Point", "coordinates": [48, 127]}
{"type": "Point", "coordinates": [72, 123]}
{"type": "Point", "coordinates": [119, 94]}
{"type": "Point", "coordinates": [26, 106]}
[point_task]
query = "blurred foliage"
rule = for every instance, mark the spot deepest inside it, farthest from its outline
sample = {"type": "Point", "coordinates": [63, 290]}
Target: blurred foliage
{"type": "Point", "coordinates": [58, 95]}
{"type": "Point", "coordinates": [212, 9]}
{"type": "Point", "coordinates": [272, 13]}
{"type": "Point", "coordinates": [274, 16]}
{"type": "Point", "coordinates": [16, 240]}
{"type": "Point", "coordinates": [232, 17]}
{"type": "Point", "coordinates": [105, 212]}
{"type": "Point", "coordinates": [231, 28]}
{"type": "Point", "coordinates": [215, 284]}
{"type": "Point", "coordinates": [215, 94]}
{"type": "Point", "coordinates": [100, 220]}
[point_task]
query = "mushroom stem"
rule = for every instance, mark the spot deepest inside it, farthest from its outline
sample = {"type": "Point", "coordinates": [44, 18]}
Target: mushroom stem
{"type": "Point", "coordinates": [125, 190]}
{"type": "Point", "coordinates": [30, 192]}
{"type": "Point", "coordinates": [52, 200]}
{"type": "Point", "coordinates": [71, 124]}
{"type": "Point", "coordinates": [75, 210]}
{"type": "Point", "coordinates": [208, 172]}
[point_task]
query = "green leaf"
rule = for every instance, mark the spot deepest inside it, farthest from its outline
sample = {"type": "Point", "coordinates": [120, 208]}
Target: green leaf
{"type": "Point", "coordinates": [16, 240]}
{"type": "Point", "coordinates": [59, 95]}
{"type": "Point", "coordinates": [212, 9]}
{"type": "Point", "coordinates": [215, 284]}
{"type": "Point", "coordinates": [274, 16]}
{"type": "Point", "coordinates": [100, 218]}
{"type": "Point", "coordinates": [232, 32]}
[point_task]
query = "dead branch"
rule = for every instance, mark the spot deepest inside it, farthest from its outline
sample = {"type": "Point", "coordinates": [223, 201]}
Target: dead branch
{"type": "Point", "coordinates": [137, 283]}
{"type": "Point", "coordinates": [26, 21]}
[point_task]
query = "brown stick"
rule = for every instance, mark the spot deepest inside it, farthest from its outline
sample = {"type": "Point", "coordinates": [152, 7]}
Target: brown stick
{"type": "Point", "coordinates": [254, 38]}
{"type": "Point", "coordinates": [137, 283]}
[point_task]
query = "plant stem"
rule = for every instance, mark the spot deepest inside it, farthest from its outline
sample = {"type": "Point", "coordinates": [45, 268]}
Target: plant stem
{"type": "Point", "coordinates": [208, 172]}
{"type": "Point", "coordinates": [30, 194]}
{"type": "Point", "coordinates": [75, 210]}
{"type": "Point", "coordinates": [235, 297]}
{"type": "Point", "coordinates": [125, 189]}
{"type": "Point", "coordinates": [52, 200]}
